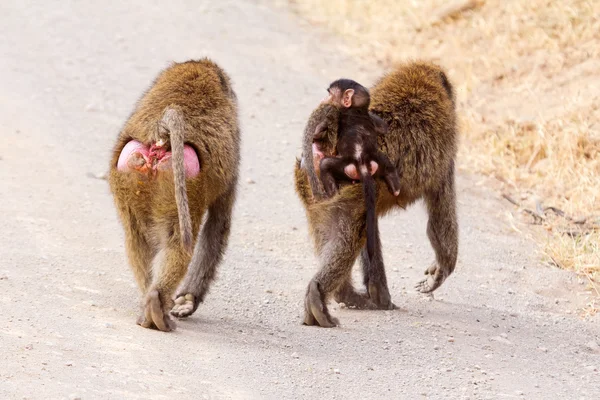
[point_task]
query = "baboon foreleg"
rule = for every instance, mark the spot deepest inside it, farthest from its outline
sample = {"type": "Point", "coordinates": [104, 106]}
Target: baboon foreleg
{"type": "Point", "coordinates": [336, 258]}
{"type": "Point", "coordinates": [208, 254]}
{"type": "Point", "coordinates": [442, 230]}
{"type": "Point", "coordinates": [158, 301]}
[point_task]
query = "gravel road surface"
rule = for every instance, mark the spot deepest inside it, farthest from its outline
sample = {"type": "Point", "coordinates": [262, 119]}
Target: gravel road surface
{"type": "Point", "coordinates": [503, 326]}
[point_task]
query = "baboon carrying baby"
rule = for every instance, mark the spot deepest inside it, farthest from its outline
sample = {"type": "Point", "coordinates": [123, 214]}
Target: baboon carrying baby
{"type": "Point", "coordinates": [416, 101]}
{"type": "Point", "coordinates": [177, 158]}
{"type": "Point", "coordinates": [356, 152]}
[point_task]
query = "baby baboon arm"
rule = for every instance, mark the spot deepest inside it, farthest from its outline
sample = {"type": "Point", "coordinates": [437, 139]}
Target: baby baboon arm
{"type": "Point", "coordinates": [381, 126]}
{"type": "Point", "coordinates": [208, 253]}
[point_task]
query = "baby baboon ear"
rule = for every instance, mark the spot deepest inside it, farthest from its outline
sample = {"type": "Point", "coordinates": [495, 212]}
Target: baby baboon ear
{"type": "Point", "coordinates": [347, 98]}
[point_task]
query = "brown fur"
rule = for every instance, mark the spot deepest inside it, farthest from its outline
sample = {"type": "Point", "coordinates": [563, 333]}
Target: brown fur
{"type": "Point", "coordinates": [417, 103]}
{"type": "Point", "coordinates": [194, 100]}
{"type": "Point", "coordinates": [325, 121]}
{"type": "Point", "coordinates": [356, 145]}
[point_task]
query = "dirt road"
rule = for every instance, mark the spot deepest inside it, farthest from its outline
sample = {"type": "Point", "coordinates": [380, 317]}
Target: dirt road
{"type": "Point", "coordinates": [502, 326]}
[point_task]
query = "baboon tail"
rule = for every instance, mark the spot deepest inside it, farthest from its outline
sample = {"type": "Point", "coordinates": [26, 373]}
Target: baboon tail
{"type": "Point", "coordinates": [174, 123]}
{"type": "Point", "coordinates": [370, 192]}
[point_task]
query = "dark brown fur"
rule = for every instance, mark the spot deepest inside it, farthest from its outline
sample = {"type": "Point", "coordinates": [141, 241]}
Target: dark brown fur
{"type": "Point", "coordinates": [417, 103]}
{"type": "Point", "coordinates": [190, 102]}
{"type": "Point", "coordinates": [357, 131]}
{"type": "Point", "coordinates": [323, 120]}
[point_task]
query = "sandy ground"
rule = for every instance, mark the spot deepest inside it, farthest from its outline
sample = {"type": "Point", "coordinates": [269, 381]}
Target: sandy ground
{"type": "Point", "coordinates": [503, 326]}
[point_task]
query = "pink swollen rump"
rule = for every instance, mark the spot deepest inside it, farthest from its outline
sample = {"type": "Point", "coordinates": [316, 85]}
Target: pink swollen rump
{"type": "Point", "coordinates": [191, 162]}
{"type": "Point", "coordinates": [154, 160]}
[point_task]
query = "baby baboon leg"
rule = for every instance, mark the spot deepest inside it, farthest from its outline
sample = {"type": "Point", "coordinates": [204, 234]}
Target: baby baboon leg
{"type": "Point", "coordinates": [442, 230]}
{"type": "Point", "coordinates": [336, 259]}
{"type": "Point", "coordinates": [375, 279]}
{"type": "Point", "coordinates": [159, 301]}
{"type": "Point", "coordinates": [208, 254]}
{"type": "Point", "coordinates": [332, 168]}
{"type": "Point", "coordinates": [348, 295]}
{"type": "Point", "coordinates": [389, 173]}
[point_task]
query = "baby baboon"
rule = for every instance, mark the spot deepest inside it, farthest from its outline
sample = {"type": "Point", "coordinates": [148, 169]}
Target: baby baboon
{"type": "Point", "coordinates": [176, 158]}
{"type": "Point", "coordinates": [417, 103]}
{"type": "Point", "coordinates": [356, 145]}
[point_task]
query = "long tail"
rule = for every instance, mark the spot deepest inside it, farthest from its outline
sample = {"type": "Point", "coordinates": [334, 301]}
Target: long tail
{"type": "Point", "coordinates": [173, 121]}
{"type": "Point", "coordinates": [370, 192]}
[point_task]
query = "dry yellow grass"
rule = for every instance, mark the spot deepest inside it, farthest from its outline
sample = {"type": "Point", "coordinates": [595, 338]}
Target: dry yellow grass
{"type": "Point", "coordinates": [527, 74]}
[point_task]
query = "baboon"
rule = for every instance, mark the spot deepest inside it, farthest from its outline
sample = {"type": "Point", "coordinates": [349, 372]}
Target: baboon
{"type": "Point", "coordinates": [356, 151]}
{"type": "Point", "coordinates": [416, 100]}
{"type": "Point", "coordinates": [175, 159]}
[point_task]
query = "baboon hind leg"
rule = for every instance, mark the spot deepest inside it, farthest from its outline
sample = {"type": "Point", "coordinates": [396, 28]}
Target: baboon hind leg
{"type": "Point", "coordinates": [336, 258]}
{"type": "Point", "coordinates": [377, 295]}
{"type": "Point", "coordinates": [375, 279]}
{"type": "Point", "coordinates": [208, 254]}
{"type": "Point", "coordinates": [442, 230]}
{"type": "Point", "coordinates": [139, 252]}
{"type": "Point", "coordinates": [158, 301]}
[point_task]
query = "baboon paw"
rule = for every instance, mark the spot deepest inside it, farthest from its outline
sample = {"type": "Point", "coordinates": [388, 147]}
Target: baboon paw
{"type": "Point", "coordinates": [435, 276]}
{"type": "Point", "coordinates": [326, 322]}
{"type": "Point", "coordinates": [354, 299]}
{"type": "Point", "coordinates": [185, 306]}
{"type": "Point", "coordinates": [315, 309]}
{"type": "Point", "coordinates": [380, 296]}
{"type": "Point", "coordinates": [155, 316]}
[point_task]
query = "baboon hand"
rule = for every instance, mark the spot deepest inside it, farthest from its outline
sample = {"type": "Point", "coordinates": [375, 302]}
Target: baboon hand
{"type": "Point", "coordinates": [435, 276]}
{"type": "Point", "coordinates": [154, 315]}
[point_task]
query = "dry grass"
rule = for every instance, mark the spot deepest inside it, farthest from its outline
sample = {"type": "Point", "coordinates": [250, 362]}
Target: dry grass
{"type": "Point", "coordinates": [527, 73]}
